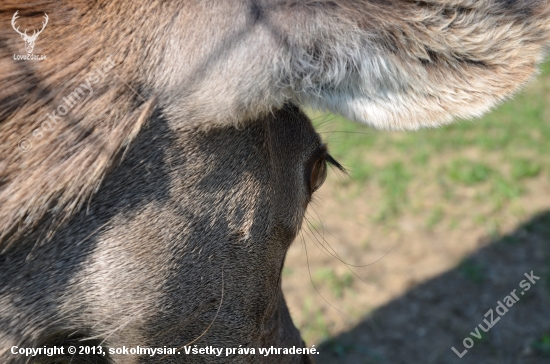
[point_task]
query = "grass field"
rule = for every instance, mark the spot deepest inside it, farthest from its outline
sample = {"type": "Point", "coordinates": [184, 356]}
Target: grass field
{"type": "Point", "coordinates": [415, 208]}
{"type": "Point", "coordinates": [497, 155]}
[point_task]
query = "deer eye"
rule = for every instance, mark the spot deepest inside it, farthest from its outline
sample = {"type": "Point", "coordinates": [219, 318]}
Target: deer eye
{"type": "Point", "coordinates": [316, 168]}
{"type": "Point", "coordinates": [318, 174]}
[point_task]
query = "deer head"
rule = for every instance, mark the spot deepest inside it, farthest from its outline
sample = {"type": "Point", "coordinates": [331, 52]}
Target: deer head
{"type": "Point", "coordinates": [29, 39]}
{"type": "Point", "coordinates": [159, 211]}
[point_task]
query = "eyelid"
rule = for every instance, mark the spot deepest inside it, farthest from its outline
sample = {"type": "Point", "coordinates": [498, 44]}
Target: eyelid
{"type": "Point", "coordinates": [321, 152]}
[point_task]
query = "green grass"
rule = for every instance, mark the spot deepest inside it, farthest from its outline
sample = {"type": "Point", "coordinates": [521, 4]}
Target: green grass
{"type": "Point", "coordinates": [314, 327]}
{"type": "Point", "coordinates": [469, 172]}
{"type": "Point", "coordinates": [542, 345]}
{"type": "Point", "coordinates": [496, 156]}
{"type": "Point", "coordinates": [337, 283]}
{"type": "Point", "coordinates": [473, 271]}
{"type": "Point", "coordinates": [393, 178]}
{"type": "Point", "coordinates": [287, 272]}
{"type": "Point", "coordinates": [523, 168]}
{"type": "Point", "coordinates": [435, 217]}
{"type": "Point", "coordinates": [473, 174]}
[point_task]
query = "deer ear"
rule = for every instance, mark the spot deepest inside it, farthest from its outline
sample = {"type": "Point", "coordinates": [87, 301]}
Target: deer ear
{"type": "Point", "coordinates": [407, 64]}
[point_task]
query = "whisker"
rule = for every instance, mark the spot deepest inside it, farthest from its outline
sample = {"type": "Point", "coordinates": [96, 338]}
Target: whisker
{"type": "Point", "coordinates": [337, 257]}
{"type": "Point", "coordinates": [211, 323]}
{"type": "Point", "coordinates": [372, 263]}
{"type": "Point", "coordinates": [365, 265]}
{"type": "Point", "coordinates": [313, 284]}
{"type": "Point", "coordinates": [118, 328]}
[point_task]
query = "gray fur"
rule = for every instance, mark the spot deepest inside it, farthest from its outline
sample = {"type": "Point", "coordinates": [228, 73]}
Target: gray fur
{"type": "Point", "coordinates": [159, 209]}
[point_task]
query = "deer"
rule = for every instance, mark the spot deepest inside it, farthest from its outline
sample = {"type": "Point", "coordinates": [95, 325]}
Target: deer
{"type": "Point", "coordinates": [155, 210]}
{"type": "Point", "coordinates": [29, 39]}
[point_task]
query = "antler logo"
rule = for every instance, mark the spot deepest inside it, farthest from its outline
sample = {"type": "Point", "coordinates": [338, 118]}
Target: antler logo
{"type": "Point", "coordinates": [29, 39]}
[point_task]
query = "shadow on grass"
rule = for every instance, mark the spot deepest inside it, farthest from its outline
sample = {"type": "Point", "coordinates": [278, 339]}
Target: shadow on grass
{"type": "Point", "coordinates": [422, 326]}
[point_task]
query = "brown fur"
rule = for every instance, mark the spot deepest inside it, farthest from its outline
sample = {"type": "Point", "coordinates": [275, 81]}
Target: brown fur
{"type": "Point", "coordinates": [443, 58]}
{"type": "Point", "coordinates": [187, 70]}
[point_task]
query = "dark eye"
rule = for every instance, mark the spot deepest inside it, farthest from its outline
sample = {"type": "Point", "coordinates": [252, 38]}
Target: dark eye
{"type": "Point", "coordinates": [318, 174]}
{"type": "Point", "coordinates": [316, 168]}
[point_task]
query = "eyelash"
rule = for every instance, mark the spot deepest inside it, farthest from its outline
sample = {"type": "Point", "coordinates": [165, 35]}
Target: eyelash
{"type": "Point", "coordinates": [324, 158]}
{"type": "Point", "coordinates": [334, 163]}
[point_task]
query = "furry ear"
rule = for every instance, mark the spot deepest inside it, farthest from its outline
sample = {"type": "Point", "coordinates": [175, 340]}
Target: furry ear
{"type": "Point", "coordinates": [404, 64]}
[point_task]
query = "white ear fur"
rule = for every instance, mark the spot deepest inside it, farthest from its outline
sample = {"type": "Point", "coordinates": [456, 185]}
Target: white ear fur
{"type": "Point", "coordinates": [405, 65]}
